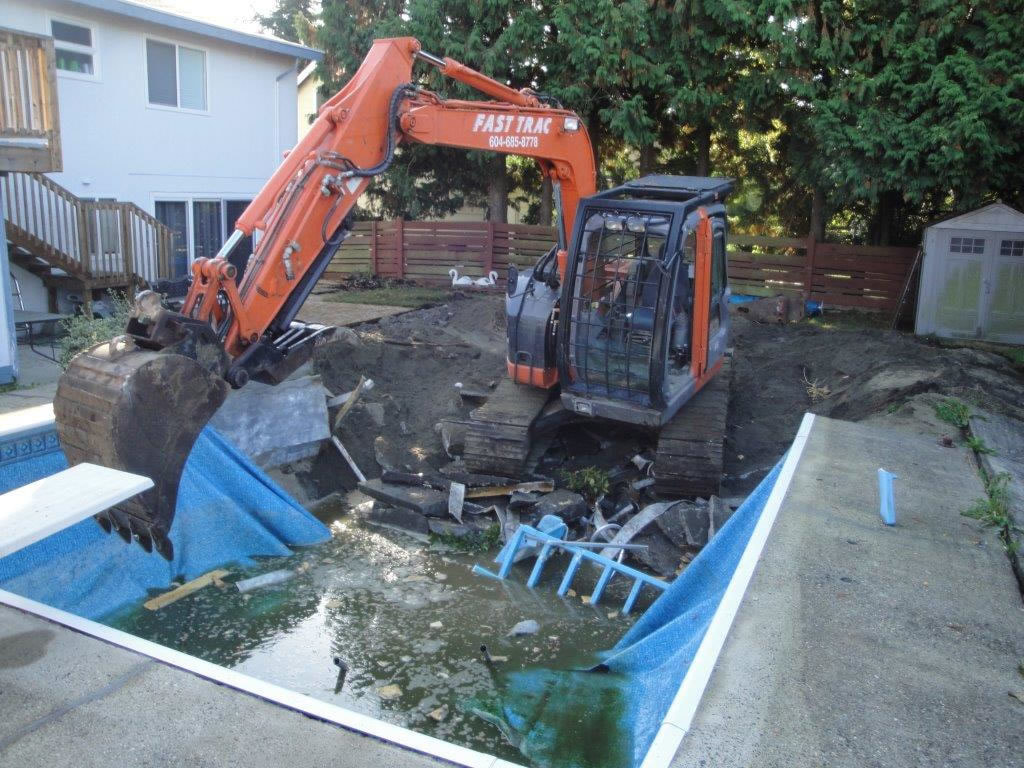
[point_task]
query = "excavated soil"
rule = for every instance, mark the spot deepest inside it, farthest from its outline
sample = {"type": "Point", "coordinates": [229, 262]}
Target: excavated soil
{"type": "Point", "coordinates": [418, 358]}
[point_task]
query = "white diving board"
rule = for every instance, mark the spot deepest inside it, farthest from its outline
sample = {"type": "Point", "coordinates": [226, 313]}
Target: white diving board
{"type": "Point", "coordinates": [34, 511]}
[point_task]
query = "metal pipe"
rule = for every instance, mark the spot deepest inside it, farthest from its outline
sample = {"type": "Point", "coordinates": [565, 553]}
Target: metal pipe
{"type": "Point", "coordinates": [586, 544]}
{"type": "Point", "coordinates": [430, 58]}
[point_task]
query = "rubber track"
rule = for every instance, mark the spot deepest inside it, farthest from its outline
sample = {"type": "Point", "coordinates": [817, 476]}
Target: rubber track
{"type": "Point", "coordinates": [499, 433]}
{"type": "Point", "coordinates": [689, 455]}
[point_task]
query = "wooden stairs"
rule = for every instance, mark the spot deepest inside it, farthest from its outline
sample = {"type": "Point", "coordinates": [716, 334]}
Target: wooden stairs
{"type": "Point", "coordinates": [80, 245]}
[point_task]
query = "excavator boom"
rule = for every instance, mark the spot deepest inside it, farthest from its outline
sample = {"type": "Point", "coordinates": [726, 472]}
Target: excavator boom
{"type": "Point", "coordinates": [139, 402]}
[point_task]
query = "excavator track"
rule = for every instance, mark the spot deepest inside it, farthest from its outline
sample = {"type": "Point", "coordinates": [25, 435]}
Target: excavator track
{"type": "Point", "coordinates": [688, 457]}
{"type": "Point", "coordinates": [139, 411]}
{"type": "Point", "coordinates": [500, 432]}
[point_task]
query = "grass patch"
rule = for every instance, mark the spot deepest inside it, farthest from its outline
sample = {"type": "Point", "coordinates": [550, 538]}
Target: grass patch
{"type": "Point", "coordinates": [412, 296]}
{"type": "Point", "coordinates": [13, 386]}
{"type": "Point", "coordinates": [81, 332]}
{"type": "Point", "coordinates": [590, 481]}
{"type": "Point", "coordinates": [954, 412]}
{"type": "Point", "coordinates": [475, 542]}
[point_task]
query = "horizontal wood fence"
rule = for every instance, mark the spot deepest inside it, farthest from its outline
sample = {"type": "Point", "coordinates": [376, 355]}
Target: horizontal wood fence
{"type": "Point", "coordinates": [860, 276]}
{"type": "Point", "coordinates": [424, 251]}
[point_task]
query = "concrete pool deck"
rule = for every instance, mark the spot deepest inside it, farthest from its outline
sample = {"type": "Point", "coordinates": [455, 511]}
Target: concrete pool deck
{"type": "Point", "coordinates": [858, 644]}
{"type": "Point", "coordinates": [67, 699]}
{"type": "Point", "coordinates": [855, 644]}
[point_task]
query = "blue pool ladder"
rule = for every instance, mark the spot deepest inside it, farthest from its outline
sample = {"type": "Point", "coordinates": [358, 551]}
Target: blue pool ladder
{"type": "Point", "coordinates": [527, 536]}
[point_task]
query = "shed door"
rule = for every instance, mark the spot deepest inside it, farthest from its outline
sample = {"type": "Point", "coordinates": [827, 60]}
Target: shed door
{"type": "Point", "coordinates": [961, 281]}
{"type": "Point", "coordinates": [1006, 304]}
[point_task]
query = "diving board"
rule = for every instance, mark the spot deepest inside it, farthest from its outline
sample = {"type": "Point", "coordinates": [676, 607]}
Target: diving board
{"type": "Point", "coordinates": [34, 511]}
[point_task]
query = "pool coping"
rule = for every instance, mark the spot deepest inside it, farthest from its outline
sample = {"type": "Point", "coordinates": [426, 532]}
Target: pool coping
{"type": "Point", "coordinates": [675, 723]}
{"type": "Point", "coordinates": [681, 711]}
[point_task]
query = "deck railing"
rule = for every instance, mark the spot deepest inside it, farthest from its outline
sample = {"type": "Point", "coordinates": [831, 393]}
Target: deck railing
{"type": "Point", "coordinates": [29, 121]}
{"type": "Point", "coordinates": [86, 238]}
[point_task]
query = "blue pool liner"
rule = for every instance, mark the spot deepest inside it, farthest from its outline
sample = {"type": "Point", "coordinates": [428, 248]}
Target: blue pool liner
{"type": "Point", "coordinates": [610, 714]}
{"type": "Point", "coordinates": [228, 511]}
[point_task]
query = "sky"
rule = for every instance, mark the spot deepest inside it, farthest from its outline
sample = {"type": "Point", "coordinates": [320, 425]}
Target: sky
{"type": "Point", "coordinates": [237, 14]}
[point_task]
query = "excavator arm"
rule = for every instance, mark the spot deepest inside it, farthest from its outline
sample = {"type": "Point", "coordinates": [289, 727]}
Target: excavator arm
{"type": "Point", "coordinates": [138, 402]}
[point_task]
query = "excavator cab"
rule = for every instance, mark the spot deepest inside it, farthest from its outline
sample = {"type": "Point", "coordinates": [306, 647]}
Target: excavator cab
{"type": "Point", "coordinates": [643, 318]}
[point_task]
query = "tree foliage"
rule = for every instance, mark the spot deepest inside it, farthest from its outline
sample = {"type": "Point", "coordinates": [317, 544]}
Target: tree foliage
{"type": "Point", "coordinates": [873, 116]}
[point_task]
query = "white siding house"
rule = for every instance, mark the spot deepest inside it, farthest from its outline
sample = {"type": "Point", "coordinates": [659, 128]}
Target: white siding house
{"type": "Point", "coordinates": [183, 118]}
{"type": "Point", "coordinates": [972, 276]}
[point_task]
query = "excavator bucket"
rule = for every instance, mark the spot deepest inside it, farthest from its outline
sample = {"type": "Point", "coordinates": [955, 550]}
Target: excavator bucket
{"type": "Point", "coordinates": [138, 410]}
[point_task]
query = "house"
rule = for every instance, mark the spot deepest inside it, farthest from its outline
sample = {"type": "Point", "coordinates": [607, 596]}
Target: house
{"type": "Point", "coordinates": [170, 126]}
{"type": "Point", "coordinates": [309, 98]}
{"type": "Point", "coordinates": [972, 276]}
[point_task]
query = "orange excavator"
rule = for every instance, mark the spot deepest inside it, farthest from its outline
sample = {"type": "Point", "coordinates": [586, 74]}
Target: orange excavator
{"type": "Point", "coordinates": [627, 323]}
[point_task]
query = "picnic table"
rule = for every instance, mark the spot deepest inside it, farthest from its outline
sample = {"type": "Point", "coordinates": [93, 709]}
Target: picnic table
{"type": "Point", "coordinates": [27, 320]}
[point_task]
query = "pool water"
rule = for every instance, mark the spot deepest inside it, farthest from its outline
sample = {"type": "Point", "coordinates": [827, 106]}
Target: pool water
{"type": "Point", "coordinates": [406, 617]}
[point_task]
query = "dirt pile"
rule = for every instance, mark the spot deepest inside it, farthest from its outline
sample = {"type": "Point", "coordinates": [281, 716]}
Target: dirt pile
{"type": "Point", "coordinates": [779, 372]}
{"type": "Point", "coordinates": [850, 373]}
{"type": "Point", "coordinates": [415, 360]}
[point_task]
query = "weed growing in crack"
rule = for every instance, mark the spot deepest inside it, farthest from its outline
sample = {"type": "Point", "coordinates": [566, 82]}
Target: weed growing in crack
{"type": "Point", "coordinates": [954, 412]}
{"type": "Point", "coordinates": [977, 444]}
{"type": "Point", "coordinates": [993, 511]}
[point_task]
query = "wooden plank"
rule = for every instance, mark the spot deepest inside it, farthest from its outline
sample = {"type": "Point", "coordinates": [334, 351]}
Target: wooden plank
{"type": "Point", "coordinates": [34, 511]}
{"type": "Point", "coordinates": [867, 251]}
{"type": "Point", "coordinates": [769, 242]}
{"type": "Point", "coordinates": [857, 302]}
{"type": "Point", "coordinates": [185, 590]}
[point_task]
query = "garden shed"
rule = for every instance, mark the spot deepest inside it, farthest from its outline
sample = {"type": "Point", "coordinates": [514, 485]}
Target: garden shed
{"type": "Point", "coordinates": [972, 276]}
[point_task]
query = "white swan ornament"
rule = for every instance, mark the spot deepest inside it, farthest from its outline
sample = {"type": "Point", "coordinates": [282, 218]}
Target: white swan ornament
{"type": "Point", "coordinates": [485, 282]}
{"type": "Point", "coordinates": [456, 280]}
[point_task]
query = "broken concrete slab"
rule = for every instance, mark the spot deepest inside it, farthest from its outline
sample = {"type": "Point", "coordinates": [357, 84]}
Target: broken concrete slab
{"type": "Point", "coordinates": [250, 419]}
{"type": "Point", "coordinates": [453, 437]}
{"type": "Point", "coordinates": [692, 524]}
{"type": "Point", "coordinates": [520, 500]}
{"type": "Point", "coordinates": [398, 517]}
{"type": "Point", "coordinates": [660, 554]}
{"type": "Point", "coordinates": [425, 501]}
{"type": "Point", "coordinates": [561, 503]}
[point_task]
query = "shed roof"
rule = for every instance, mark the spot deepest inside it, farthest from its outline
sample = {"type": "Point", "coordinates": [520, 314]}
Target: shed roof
{"type": "Point", "coordinates": [997, 216]}
{"type": "Point", "coordinates": [186, 24]}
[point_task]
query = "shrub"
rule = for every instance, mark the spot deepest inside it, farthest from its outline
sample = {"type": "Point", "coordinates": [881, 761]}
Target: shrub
{"type": "Point", "coordinates": [81, 332]}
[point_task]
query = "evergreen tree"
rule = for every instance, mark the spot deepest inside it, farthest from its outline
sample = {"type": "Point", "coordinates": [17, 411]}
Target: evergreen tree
{"type": "Point", "coordinates": [901, 104]}
{"type": "Point", "coordinates": [286, 20]}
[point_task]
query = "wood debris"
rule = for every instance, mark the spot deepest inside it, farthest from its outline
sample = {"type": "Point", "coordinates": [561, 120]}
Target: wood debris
{"type": "Point", "coordinates": [185, 590]}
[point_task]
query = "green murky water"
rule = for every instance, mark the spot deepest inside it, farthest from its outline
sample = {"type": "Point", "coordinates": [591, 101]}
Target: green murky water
{"type": "Point", "coordinates": [374, 597]}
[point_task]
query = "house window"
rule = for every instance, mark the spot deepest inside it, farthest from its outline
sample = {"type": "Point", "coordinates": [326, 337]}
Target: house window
{"type": "Point", "coordinates": [967, 245]}
{"type": "Point", "coordinates": [1011, 248]}
{"type": "Point", "coordinates": [74, 46]}
{"type": "Point", "coordinates": [176, 75]}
